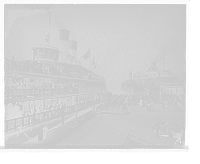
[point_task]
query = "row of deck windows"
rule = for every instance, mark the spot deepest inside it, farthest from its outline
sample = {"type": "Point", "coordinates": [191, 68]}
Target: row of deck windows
{"type": "Point", "coordinates": [46, 53]}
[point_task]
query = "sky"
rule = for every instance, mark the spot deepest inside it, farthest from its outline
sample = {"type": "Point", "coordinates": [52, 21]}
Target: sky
{"type": "Point", "coordinates": [122, 38]}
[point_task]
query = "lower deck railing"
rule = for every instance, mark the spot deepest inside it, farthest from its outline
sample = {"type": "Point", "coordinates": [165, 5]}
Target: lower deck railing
{"type": "Point", "coordinates": [26, 93]}
{"type": "Point", "coordinates": [13, 124]}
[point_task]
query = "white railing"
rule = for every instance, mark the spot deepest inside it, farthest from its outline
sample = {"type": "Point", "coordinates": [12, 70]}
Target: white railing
{"type": "Point", "coordinates": [21, 67]}
{"type": "Point", "coordinates": [24, 93]}
{"type": "Point", "coordinates": [13, 124]}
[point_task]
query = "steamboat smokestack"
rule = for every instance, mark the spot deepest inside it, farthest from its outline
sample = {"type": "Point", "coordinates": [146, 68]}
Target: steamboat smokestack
{"type": "Point", "coordinates": [153, 66]}
{"type": "Point", "coordinates": [64, 42]}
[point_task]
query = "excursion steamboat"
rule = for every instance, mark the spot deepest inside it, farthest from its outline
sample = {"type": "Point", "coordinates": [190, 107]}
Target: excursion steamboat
{"type": "Point", "coordinates": [153, 80]}
{"type": "Point", "coordinates": [37, 90]}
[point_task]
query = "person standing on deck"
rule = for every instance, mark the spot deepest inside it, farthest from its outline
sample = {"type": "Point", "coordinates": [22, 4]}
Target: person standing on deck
{"type": "Point", "coordinates": [103, 105]}
{"type": "Point", "coordinates": [140, 101]}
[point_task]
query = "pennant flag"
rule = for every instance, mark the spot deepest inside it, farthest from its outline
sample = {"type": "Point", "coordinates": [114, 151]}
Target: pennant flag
{"type": "Point", "coordinates": [87, 55]}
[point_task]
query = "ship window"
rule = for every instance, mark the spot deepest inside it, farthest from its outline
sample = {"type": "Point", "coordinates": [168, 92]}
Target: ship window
{"type": "Point", "coordinates": [42, 51]}
{"type": "Point", "coordinates": [36, 54]}
{"type": "Point", "coordinates": [51, 53]}
{"type": "Point", "coordinates": [54, 52]}
{"type": "Point", "coordinates": [56, 56]}
{"type": "Point", "coordinates": [39, 52]}
{"type": "Point", "coordinates": [46, 51]}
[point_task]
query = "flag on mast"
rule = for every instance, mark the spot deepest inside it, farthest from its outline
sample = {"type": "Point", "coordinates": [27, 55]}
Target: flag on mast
{"type": "Point", "coordinates": [87, 55]}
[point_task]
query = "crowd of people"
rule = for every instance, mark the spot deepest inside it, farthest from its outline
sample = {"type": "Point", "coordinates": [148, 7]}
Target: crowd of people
{"type": "Point", "coordinates": [20, 86]}
{"type": "Point", "coordinates": [29, 108]}
{"type": "Point", "coordinates": [42, 87]}
{"type": "Point", "coordinates": [147, 100]}
{"type": "Point", "coordinates": [50, 68]}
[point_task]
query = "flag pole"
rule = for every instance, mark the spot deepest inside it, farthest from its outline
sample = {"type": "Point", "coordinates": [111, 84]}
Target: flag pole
{"type": "Point", "coordinates": [49, 14]}
{"type": "Point", "coordinates": [89, 58]}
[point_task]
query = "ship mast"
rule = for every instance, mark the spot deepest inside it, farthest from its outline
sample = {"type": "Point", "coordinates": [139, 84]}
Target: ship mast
{"type": "Point", "coordinates": [49, 13]}
{"type": "Point", "coordinates": [48, 36]}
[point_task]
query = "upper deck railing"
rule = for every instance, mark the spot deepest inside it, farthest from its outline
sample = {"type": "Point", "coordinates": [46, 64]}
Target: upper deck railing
{"type": "Point", "coordinates": [33, 93]}
{"type": "Point", "coordinates": [18, 66]}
